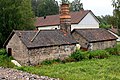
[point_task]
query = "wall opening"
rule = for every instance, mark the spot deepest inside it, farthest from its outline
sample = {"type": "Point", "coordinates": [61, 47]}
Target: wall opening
{"type": "Point", "coordinates": [9, 51]}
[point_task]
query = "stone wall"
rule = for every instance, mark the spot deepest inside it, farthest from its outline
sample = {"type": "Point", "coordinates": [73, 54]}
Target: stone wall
{"type": "Point", "coordinates": [82, 41]}
{"type": "Point", "coordinates": [103, 44]}
{"type": "Point", "coordinates": [19, 50]}
{"type": "Point", "coordinates": [40, 54]}
{"type": "Point", "coordinates": [34, 56]}
{"type": "Point", "coordinates": [93, 45]}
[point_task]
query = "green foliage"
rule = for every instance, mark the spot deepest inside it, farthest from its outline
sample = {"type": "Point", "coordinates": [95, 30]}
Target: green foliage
{"type": "Point", "coordinates": [116, 12]}
{"type": "Point", "coordinates": [106, 26]}
{"type": "Point", "coordinates": [112, 51]}
{"type": "Point", "coordinates": [3, 52]}
{"type": "Point", "coordinates": [69, 59]}
{"type": "Point", "coordinates": [76, 5]}
{"type": "Point", "coordinates": [118, 49]}
{"type": "Point", "coordinates": [65, 1]}
{"type": "Point", "coordinates": [100, 54]}
{"type": "Point", "coordinates": [94, 69]}
{"type": "Point", "coordinates": [54, 61]}
{"type": "Point", "coordinates": [107, 21]}
{"type": "Point", "coordinates": [115, 50]}
{"type": "Point", "coordinates": [51, 7]}
{"type": "Point", "coordinates": [45, 7]}
{"type": "Point", "coordinates": [15, 14]}
{"type": "Point", "coordinates": [5, 60]}
{"type": "Point", "coordinates": [79, 55]}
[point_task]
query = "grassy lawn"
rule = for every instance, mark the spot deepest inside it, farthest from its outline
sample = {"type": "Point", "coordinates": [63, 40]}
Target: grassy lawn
{"type": "Point", "coordinates": [118, 43]}
{"type": "Point", "coordinates": [95, 69]}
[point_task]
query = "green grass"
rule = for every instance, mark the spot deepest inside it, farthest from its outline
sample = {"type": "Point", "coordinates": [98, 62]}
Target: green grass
{"type": "Point", "coordinates": [118, 43]}
{"type": "Point", "coordinates": [95, 69]}
{"type": "Point", "coordinates": [5, 60]}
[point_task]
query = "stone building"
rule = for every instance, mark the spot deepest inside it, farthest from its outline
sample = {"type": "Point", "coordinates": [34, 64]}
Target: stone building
{"type": "Point", "coordinates": [94, 39]}
{"type": "Point", "coordinates": [32, 47]}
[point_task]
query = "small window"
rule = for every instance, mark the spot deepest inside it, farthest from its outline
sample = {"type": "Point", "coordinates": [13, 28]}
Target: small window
{"type": "Point", "coordinates": [55, 28]}
{"type": "Point", "coordinates": [9, 52]}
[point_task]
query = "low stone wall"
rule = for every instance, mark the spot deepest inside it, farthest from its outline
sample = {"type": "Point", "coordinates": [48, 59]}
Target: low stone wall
{"type": "Point", "coordinates": [103, 45]}
{"type": "Point", "coordinates": [40, 54]}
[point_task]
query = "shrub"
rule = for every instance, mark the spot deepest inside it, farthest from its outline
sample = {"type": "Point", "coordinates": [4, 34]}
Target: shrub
{"type": "Point", "coordinates": [3, 52]}
{"type": "Point", "coordinates": [100, 54]}
{"type": "Point", "coordinates": [69, 59]}
{"type": "Point", "coordinates": [79, 55]}
{"type": "Point", "coordinates": [5, 60]}
{"type": "Point", "coordinates": [112, 51]}
{"type": "Point", "coordinates": [48, 62]}
{"type": "Point", "coordinates": [118, 49]}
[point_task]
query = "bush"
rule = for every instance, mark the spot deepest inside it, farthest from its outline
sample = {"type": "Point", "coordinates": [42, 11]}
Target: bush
{"type": "Point", "coordinates": [100, 54]}
{"type": "Point", "coordinates": [5, 60]}
{"type": "Point", "coordinates": [69, 59]}
{"type": "Point", "coordinates": [118, 49]}
{"type": "Point", "coordinates": [54, 61]}
{"type": "Point", "coordinates": [3, 52]}
{"type": "Point", "coordinates": [114, 51]}
{"type": "Point", "coordinates": [79, 55]}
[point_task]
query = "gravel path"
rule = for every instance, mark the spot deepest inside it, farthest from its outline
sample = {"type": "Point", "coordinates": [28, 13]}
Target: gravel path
{"type": "Point", "coordinates": [12, 74]}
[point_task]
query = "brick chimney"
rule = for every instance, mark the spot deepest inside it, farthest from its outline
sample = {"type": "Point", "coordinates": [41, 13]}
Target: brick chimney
{"type": "Point", "coordinates": [65, 18]}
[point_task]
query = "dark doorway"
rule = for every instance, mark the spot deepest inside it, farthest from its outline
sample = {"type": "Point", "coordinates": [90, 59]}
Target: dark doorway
{"type": "Point", "coordinates": [9, 52]}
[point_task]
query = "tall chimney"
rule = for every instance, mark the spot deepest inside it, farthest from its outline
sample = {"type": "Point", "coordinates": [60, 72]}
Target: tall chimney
{"type": "Point", "coordinates": [65, 18]}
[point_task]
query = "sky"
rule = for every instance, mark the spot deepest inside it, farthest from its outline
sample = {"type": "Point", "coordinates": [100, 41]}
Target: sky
{"type": "Point", "coordinates": [98, 7]}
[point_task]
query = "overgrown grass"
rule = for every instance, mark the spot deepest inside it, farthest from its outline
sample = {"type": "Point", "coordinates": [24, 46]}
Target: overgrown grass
{"type": "Point", "coordinates": [94, 69]}
{"type": "Point", "coordinates": [93, 65]}
{"type": "Point", "coordinates": [115, 50]}
{"type": "Point", "coordinates": [5, 60]}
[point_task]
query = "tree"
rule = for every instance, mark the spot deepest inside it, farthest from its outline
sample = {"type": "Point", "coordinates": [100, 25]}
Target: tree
{"type": "Point", "coordinates": [116, 5]}
{"type": "Point", "coordinates": [45, 7]}
{"type": "Point", "coordinates": [107, 21]}
{"type": "Point", "coordinates": [15, 14]}
{"type": "Point", "coordinates": [65, 1]}
{"type": "Point", "coordinates": [76, 5]}
{"type": "Point", "coordinates": [35, 6]}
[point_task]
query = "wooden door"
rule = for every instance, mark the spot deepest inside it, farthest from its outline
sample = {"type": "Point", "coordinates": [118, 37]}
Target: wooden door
{"type": "Point", "coordinates": [9, 51]}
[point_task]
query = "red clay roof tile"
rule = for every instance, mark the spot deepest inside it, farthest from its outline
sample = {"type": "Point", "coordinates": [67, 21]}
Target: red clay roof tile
{"type": "Point", "coordinates": [53, 20]}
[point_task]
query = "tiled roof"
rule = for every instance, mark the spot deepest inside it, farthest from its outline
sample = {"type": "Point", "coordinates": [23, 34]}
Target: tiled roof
{"type": "Point", "coordinates": [52, 20]}
{"type": "Point", "coordinates": [45, 38]}
{"type": "Point", "coordinates": [94, 35]}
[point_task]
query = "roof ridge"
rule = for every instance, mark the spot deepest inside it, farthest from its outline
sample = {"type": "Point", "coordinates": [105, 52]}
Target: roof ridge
{"type": "Point", "coordinates": [88, 29]}
{"type": "Point", "coordinates": [59, 14]}
{"type": "Point", "coordinates": [54, 20]}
